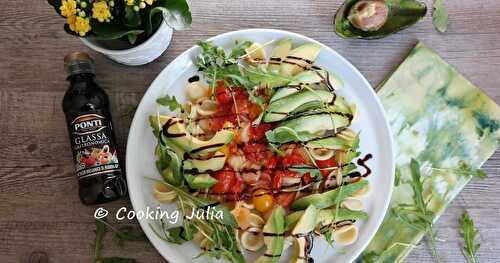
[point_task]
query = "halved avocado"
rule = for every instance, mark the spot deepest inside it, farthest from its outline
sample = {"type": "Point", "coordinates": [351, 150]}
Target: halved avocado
{"type": "Point", "coordinates": [274, 237]}
{"type": "Point", "coordinates": [300, 59]}
{"type": "Point", "coordinates": [279, 53]}
{"type": "Point", "coordinates": [174, 131]}
{"type": "Point", "coordinates": [306, 128]}
{"type": "Point", "coordinates": [329, 198]}
{"type": "Point", "coordinates": [298, 102]}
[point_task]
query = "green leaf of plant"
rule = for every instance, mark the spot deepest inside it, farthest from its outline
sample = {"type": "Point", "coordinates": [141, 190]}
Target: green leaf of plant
{"type": "Point", "coordinates": [440, 16]}
{"type": "Point", "coordinates": [128, 233]}
{"type": "Point", "coordinates": [469, 233]}
{"type": "Point", "coordinates": [175, 13]}
{"type": "Point", "coordinates": [170, 102]}
{"type": "Point", "coordinates": [131, 18]}
{"type": "Point", "coordinates": [132, 38]}
{"type": "Point", "coordinates": [112, 30]}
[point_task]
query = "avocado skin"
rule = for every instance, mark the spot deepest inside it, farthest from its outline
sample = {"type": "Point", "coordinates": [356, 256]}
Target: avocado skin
{"type": "Point", "coordinates": [328, 198]}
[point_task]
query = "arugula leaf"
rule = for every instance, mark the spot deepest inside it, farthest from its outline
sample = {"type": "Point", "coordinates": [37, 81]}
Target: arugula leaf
{"type": "Point", "coordinates": [100, 230]}
{"type": "Point", "coordinates": [170, 102]}
{"type": "Point", "coordinates": [469, 233]}
{"type": "Point", "coordinates": [440, 16]}
{"type": "Point", "coordinates": [417, 215]}
{"type": "Point", "coordinates": [467, 170]}
{"type": "Point", "coordinates": [128, 233]}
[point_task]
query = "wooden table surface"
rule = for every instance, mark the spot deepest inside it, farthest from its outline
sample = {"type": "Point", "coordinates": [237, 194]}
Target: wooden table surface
{"type": "Point", "coordinates": [40, 213]}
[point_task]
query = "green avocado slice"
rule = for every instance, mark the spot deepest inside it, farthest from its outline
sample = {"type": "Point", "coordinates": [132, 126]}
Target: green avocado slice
{"type": "Point", "coordinates": [279, 53]}
{"type": "Point", "coordinates": [298, 102]}
{"type": "Point", "coordinates": [200, 181]}
{"type": "Point", "coordinates": [174, 132]}
{"type": "Point", "coordinates": [300, 58]}
{"type": "Point", "coordinates": [213, 164]}
{"type": "Point", "coordinates": [274, 237]}
{"type": "Point", "coordinates": [329, 198]}
{"type": "Point", "coordinates": [302, 234]}
{"type": "Point", "coordinates": [306, 128]}
{"type": "Point", "coordinates": [327, 216]}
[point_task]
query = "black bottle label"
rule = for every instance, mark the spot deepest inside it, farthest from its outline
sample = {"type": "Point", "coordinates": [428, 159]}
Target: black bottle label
{"type": "Point", "coordinates": [94, 152]}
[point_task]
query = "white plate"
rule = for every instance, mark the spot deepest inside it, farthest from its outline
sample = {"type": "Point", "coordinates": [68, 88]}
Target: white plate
{"type": "Point", "coordinates": [375, 139]}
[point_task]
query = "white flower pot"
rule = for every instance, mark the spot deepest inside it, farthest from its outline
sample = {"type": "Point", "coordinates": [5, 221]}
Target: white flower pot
{"type": "Point", "coordinates": [142, 54]}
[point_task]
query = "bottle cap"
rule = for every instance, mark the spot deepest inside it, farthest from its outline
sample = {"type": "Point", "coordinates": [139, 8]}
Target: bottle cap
{"type": "Point", "coordinates": [78, 63]}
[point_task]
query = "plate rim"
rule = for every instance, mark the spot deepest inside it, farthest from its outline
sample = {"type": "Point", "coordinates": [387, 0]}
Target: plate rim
{"type": "Point", "coordinates": [171, 64]}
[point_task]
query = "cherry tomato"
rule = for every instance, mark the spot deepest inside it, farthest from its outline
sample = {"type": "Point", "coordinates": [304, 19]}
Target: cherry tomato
{"type": "Point", "coordinates": [271, 161]}
{"type": "Point", "coordinates": [259, 132]}
{"type": "Point", "coordinates": [262, 200]}
{"type": "Point", "coordinates": [285, 199]}
{"type": "Point", "coordinates": [326, 164]}
{"type": "Point", "coordinates": [306, 178]}
{"type": "Point", "coordinates": [278, 179]}
{"type": "Point", "coordinates": [293, 159]}
{"type": "Point", "coordinates": [223, 95]}
{"type": "Point", "coordinates": [225, 180]}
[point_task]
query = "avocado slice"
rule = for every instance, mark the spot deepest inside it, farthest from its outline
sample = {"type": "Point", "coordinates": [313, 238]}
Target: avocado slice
{"type": "Point", "coordinates": [332, 142]}
{"type": "Point", "coordinates": [329, 198]}
{"type": "Point", "coordinates": [306, 128]}
{"type": "Point", "coordinates": [327, 216]}
{"type": "Point", "coordinates": [279, 53]}
{"type": "Point", "coordinates": [274, 237]}
{"type": "Point", "coordinates": [311, 78]}
{"type": "Point", "coordinates": [300, 59]}
{"type": "Point", "coordinates": [200, 181]}
{"type": "Point", "coordinates": [302, 234]}
{"type": "Point", "coordinates": [298, 102]}
{"type": "Point", "coordinates": [174, 132]}
{"type": "Point", "coordinates": [213, 164]}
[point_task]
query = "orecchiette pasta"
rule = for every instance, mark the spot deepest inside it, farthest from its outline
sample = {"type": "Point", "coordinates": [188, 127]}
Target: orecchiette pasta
{"type": "Point", "coordinates": [352, 204]}
{"type": "Point", "coordinates": [252, 239]}
{"type": "Point", "coordinates": [197, 90]}
{"type": "Point", "coordinates": [322, 154]}
{"type": "Point", "coordinates": [206, 107]}
{"type": "Point", "coordinates": [162, 193]}
{"type": "Point", "coordinates": [346, 235]}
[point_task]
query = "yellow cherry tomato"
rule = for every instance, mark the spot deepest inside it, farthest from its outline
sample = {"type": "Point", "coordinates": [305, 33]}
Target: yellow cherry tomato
{"type": "Point", "coordinates": [262, 200]}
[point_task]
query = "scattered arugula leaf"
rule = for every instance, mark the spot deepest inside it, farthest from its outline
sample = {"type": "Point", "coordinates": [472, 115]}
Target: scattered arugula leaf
{"type": "Point", "coordinates": [128, 233]}
{"type": "Point", "coordinates": [122, 235]}
{"type": "Point", "coordinates": [100, 230]}
{"type": "Point", "coordinates": [464, 169]}
{"type": "Point", "coordinates": [418, 215]}
{"type": "Point", "coordinates": [469, 233]}
{"type": "Point", "coordinates": [440, 16]}
{"type": "Point", "coordinates": [170, 102]}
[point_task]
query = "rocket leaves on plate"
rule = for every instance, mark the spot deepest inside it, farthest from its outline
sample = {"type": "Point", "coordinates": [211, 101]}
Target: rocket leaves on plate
{"type": "Point", "coordinates": [440, 16]}
{"type": "Point", "coordinates": [170, 102]}
{"type": "Point", "coordinates": [469, 233]}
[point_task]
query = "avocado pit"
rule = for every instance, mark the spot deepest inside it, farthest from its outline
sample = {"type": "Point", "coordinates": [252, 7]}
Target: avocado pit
{"type": "Point", "coordinates": [369, 15]}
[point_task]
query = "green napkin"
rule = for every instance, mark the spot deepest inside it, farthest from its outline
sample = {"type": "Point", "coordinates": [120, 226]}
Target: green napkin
{"type": "Point", "coordinates": [439, 118]}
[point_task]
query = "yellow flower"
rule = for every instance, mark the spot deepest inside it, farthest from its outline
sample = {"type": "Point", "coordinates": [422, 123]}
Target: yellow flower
{"type": "Point", "coordinates": [149, 2]}
{"type": "Point", "coordinates": [82, 25]}
{"type": "Point", "coordinates": [68, 8]}
{"type": "Point", "coordinates": [71, 22]}
{"type": "Point", "coordinates": [130, 2]}
{"type": "Point", "coordinates": [100, 11]}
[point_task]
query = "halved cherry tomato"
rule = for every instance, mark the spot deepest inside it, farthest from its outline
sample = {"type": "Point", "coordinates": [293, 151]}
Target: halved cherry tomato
{"type": "Point", "coordinates": [223, 95]}
{"type": "Point", "coordinates": [262, 200]}
{"type": "Point", "coordinates": [225, 181]}
{"type": "Point", "coordinates": [278, 179]}
{"type": "Point", "coordinates": [285, 199]}
{"type": "Point", "coordinates": [258, 132]}
{"type": "Point", "coordinates": [306, 178]}
{"type": "Point", "coordinates": [293, 159]}
{"type": "Point", "coordinates": [326, 164]}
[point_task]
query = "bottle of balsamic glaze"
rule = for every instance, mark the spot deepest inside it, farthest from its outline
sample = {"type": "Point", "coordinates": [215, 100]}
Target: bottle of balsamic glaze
{"type": "Point", "coordinates": [86, 105]}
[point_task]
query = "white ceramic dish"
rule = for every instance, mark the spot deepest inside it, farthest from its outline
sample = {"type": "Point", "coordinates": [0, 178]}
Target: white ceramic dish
{"type": "Point", "coordinates": [375, 138]}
